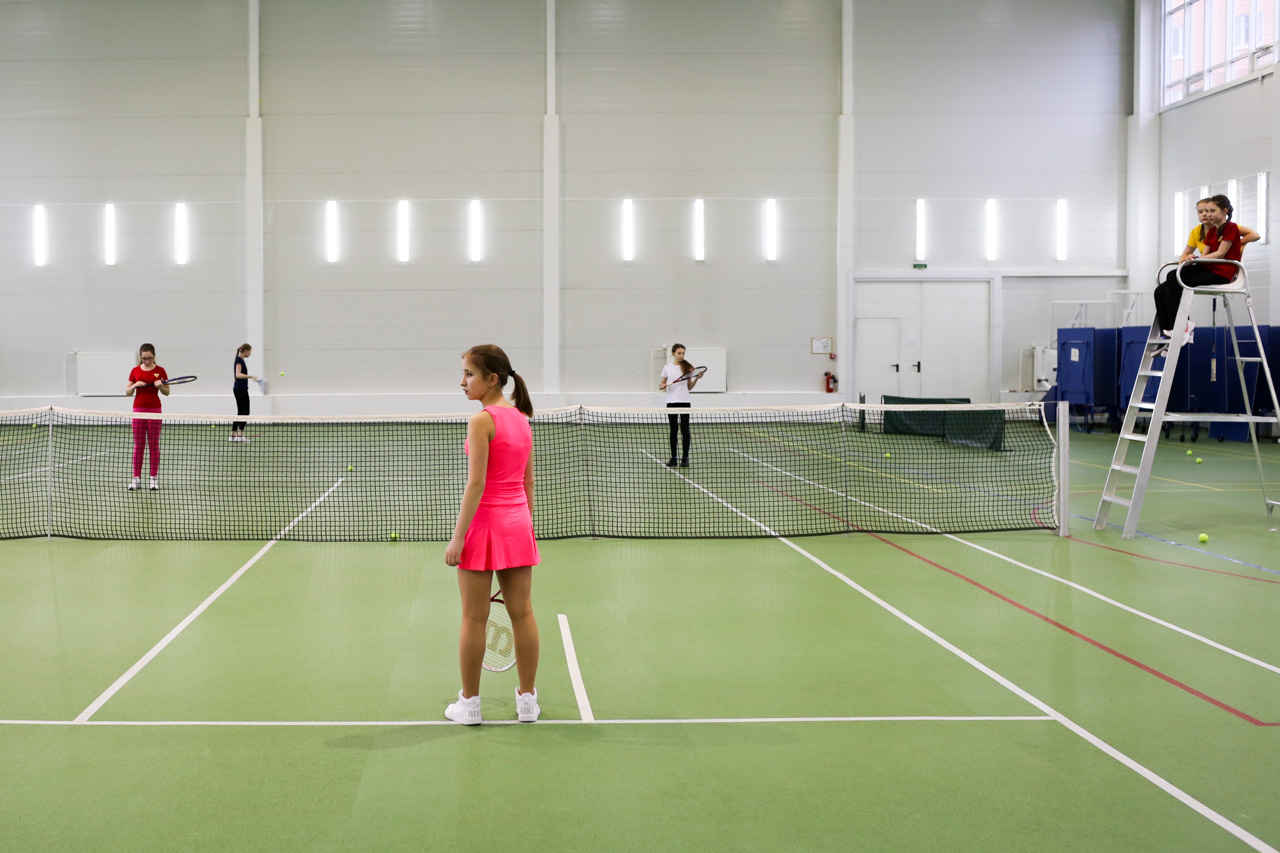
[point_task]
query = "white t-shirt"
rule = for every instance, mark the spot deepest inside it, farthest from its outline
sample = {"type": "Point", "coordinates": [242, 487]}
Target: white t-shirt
{"type": "Point", "coordinates": [677, 392]}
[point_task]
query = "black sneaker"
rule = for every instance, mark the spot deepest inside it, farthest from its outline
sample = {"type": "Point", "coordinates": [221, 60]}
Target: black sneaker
{"type": "Point", "coordinates": [671, 463]}
{"type": "Point", "coordinates": [684, 463]}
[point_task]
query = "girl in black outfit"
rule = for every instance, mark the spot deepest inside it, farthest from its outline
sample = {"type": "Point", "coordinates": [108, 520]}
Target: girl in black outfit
{"type": "Point", "coordinates": [241, 389]}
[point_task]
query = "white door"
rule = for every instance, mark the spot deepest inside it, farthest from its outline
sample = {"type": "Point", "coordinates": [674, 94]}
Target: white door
{"type": "Point", "coordinates": [942, 345]}
{"type": "Point", "coordinates": [876, 343]}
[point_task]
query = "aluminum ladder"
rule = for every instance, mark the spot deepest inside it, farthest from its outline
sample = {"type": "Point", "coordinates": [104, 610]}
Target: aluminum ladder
{"type": "Point", "coordinates": [1169, 349]}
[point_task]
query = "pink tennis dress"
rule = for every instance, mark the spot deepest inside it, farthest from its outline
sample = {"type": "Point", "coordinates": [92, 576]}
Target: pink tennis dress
{"type": "Point", "coordinates": [501, 533]}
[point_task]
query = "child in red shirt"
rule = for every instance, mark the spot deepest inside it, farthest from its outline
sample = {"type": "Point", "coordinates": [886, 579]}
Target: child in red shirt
{"type": "Point", "coordinates": [147, 382]}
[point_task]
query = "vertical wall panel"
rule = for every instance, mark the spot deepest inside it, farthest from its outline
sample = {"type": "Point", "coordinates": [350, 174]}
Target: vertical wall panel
{"type": "Point", "coordinates": [138, 104]}
{"type": "Point", "coordinates": [369, 103]}
{"type": "Point", "coordinates": [668, 101]}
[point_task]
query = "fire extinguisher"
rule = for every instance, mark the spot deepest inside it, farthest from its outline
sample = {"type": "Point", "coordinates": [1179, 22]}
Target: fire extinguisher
{"type": "Point", "coordinates": [831, 382]}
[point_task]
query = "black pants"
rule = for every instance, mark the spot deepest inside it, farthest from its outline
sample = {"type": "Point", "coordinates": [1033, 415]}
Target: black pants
{"type": "Point", "coordinates": [242, 407]}
{"type": "Point", "coordinates": [1169, 294]}
{"type": "Point", "coordinates": [683, 422]}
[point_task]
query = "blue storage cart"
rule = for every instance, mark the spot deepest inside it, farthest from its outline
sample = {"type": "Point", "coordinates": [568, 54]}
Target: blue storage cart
{"type": "Point", "coordinates": [1225, 391]}
{"type": "Point", "coordinates": [1087, 371]}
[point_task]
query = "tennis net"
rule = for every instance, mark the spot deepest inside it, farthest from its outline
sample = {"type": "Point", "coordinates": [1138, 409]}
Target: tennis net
{"type": "Point", "coordinates": [791, 471]}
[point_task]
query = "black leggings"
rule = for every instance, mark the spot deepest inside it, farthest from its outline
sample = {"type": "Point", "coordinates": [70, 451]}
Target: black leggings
{"type": "Point", "coordinates": [1169, 294]}
{"type": "Point", "coordinates": [242, 407]}
{"type": "Point", "coordinates": [683, 422]}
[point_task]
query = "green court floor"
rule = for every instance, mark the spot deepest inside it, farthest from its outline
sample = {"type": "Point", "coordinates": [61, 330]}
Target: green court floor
{"type": "Point", "coordinates": [877, 692]}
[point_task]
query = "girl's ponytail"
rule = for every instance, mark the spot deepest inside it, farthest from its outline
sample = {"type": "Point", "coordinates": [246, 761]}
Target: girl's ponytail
{"type": "Point", "coordinates": [520, 395]}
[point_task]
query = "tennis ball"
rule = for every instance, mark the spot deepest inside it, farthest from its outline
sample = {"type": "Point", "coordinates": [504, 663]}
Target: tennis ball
{"type": "Point", "coordinates": [887, 455]}
{"type": "Point", "coordinates": [395, 537]}
{"type": "Point", "coordinates": [351, 467]}
{"type": "Point", "coordinates": [1204, 537]}
{"type": "Point", "coordinates": [282, 373]}
{"type": "Point", "coordinates": [1188, 452]}
{"type": "Point", "coordinates": [1199, 460]}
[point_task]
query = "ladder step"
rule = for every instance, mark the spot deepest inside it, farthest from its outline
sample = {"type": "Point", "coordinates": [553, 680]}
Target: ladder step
{"type": "Point", "coordinates": [1128, 469]}
{"type": "Point", "coordinates": [1132, 436]}
{"type": "Point", "coordinates": [1151, 373]}
{"type": "Point", "coordinates": [1146, 407]}
{"type": "Point", "coordinates": [1250, 359]}
{"type": "Point", "coordinates": [1115, 499]}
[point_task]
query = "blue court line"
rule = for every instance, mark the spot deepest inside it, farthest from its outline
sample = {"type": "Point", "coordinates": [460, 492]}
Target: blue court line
{"type": "Point", "coordinates": [1188, 547]}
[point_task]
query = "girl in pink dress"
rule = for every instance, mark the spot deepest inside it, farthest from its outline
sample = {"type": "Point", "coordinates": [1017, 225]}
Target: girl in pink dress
{"type": "Point", "coordinates": [494, 533]}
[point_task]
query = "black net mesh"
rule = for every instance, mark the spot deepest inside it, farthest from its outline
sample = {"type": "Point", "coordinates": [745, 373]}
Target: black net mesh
{"type": "Point", "coordinates": [599, 472]}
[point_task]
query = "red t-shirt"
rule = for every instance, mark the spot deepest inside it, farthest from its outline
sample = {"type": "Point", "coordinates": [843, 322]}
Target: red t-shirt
{"type": "Point", "coordinates": [148, 396]}
{"type": "Point", "coordinates": [1213, 237]}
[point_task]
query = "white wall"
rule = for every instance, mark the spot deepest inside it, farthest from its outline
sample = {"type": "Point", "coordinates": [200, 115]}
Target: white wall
{"type": "Point", "coordinates": [138, 104]}
{"type": "Point", "coordinates": [733, 101]}
{"type": "Point", "coordinates": [1021, 101]}
{"type": "Point", "coordinates": [664, 101]}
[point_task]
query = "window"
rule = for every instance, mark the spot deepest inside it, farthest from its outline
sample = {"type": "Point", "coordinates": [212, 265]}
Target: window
{"type": "Point", "coordinates": [1209, 43]}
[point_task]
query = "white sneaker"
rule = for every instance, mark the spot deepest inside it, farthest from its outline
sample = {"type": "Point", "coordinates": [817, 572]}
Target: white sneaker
{"type": "Point", "coordinates": [244, 439]}
{"type": "Point", "coordinates": [155, 486]}
{"type": "Point", "coordinates": [465, 711]}
{"type": "Point", "coordinates": [527, 709]}
{"type": "Point", "coordinates": [1189, 335]}
{"type": "Point", "coordinates": [231, 438]}
{"type": "Point", "coordinates": [134, 483]}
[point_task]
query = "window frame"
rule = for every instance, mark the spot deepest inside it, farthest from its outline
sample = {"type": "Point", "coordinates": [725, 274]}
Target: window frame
{"type": "Point", "coordinates": [1178, 44]}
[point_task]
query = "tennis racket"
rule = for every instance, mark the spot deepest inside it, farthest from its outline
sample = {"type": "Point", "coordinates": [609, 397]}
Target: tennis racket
{"type": "Point", "coordinates": [179, 380]}
{"type": "Point", "coordinates": [499, 639]}
{"type": "Point", "coordinates": [696, 373]}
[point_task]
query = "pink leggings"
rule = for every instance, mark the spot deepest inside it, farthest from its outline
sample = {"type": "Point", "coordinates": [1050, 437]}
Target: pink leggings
{"type": "Point", "coordinates": [146, 433]}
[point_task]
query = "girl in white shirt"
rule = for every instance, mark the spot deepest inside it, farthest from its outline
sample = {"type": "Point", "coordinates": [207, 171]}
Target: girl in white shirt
{"type": "Point", "coordinates": [677, 398]}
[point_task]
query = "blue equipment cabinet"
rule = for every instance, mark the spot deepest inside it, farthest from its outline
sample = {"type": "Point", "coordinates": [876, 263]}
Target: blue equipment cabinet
{"type": "Point", "coordinates": [1087, 368]}
{"type": "Point", "coordinates": [1225, 391]}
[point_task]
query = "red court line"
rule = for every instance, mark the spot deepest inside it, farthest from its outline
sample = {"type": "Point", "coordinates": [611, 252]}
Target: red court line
{"type": "Point", "coordinates": [1172, 563]}
{"type": "Point", "coordinates": [1090, 640]}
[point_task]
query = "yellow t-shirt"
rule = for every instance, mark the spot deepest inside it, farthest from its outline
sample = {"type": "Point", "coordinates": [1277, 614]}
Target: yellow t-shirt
{"type": "Point", "coordinates": [1193, 239]}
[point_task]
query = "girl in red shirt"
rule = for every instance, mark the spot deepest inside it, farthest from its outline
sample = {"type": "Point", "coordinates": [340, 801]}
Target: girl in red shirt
{"type": "Point", "coordinates": [1221, 238]}
{"type": "Point", "coordinates": [147, 382]}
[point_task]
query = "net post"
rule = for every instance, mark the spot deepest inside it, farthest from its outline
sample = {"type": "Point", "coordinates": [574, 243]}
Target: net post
{"type": "Point", "coordinates": [1064, 468]}
{"type": "Point", "coordinates": [48, 492]}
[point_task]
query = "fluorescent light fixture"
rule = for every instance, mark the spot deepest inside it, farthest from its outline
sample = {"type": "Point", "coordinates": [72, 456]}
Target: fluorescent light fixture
{"type": "Point", "coordinates": [1233, 190]}
{"type": "Point", "coordinates": [628, 230]}
{"type": "Point", "coordinates": [1061, 222]}
{"type": "Point", "coordinates": [993, 230]}
{"type": "Point", "coordinates": [1204, 193]}
{"type": "Point", "coordinates": [771, 229]}
{"type": "Point", "coordinates": [1263, 211]}
{"type": "Point", "coordinates": [699, 230]}
{"type": "Point", "coordinates": [109, 235]}
{"type": "Point", "coordinates": [475, 231]}
{"type": "Point", "coordinates": [920, 225]}
{"type": "Point", "coordinates": [181, 235]}
{"type": "Point", "coordinates": [402, 231]}
{"type": "Point", "coordinates": [331, 231]}
{"type": "Point", "coordinates": [39, 236]}
{"type": "Point", "coordinates": [1179, 217]}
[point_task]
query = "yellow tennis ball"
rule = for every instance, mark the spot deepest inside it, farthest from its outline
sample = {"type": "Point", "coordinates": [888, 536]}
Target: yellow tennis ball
{"type": "Point", "coordinates": [886, 455]}
{"type": "Point", "coordinates": [351, 467]}
{"type": "Point", "coordinates": [1204, 537]}
{"type": "Point", "coordinates": [1188, 452]}
{"type": "Point", "coordinates": [1199, 460]}
{"type": "Point", "coordinates": [395, 537]}
{"type": "Point", "coordinates": [282, 373]}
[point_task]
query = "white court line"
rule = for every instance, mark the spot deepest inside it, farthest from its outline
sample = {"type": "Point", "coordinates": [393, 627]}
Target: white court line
{"type": "Point", "coordinates": [575, 674]}
{"type": "Point", "coordinates": [59, 465]}
{"type": "Point", "coordinates": [1125, 607]}
{"type": "Point", "coordinates": [1150, 775]}
{"type": "Point", "coordinates": [159, 647]}
{"type": "Point", "coordinates": [541, 722]}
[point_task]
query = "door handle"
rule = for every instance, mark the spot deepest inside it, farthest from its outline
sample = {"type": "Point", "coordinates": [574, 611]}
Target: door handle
{"type": "Point", "coordinates": [917, 367]}
{"type": "Point", "coordinates": [895, 367]}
